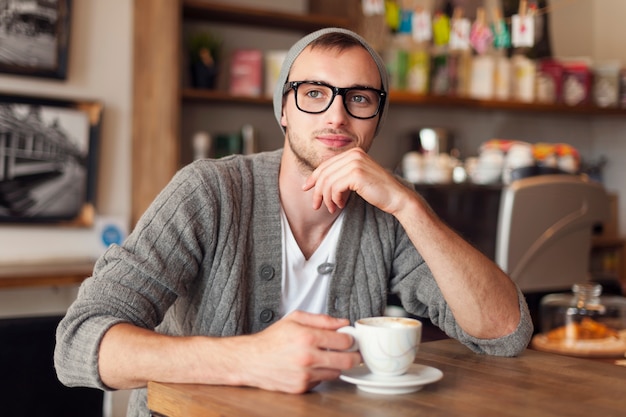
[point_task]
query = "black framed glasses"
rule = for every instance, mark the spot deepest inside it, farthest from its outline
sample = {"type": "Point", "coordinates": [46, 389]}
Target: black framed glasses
{"type": "Point", "coordinates": [316, 97]}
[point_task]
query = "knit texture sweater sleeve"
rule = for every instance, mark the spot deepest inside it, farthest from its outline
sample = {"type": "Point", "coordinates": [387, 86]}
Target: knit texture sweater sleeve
{"type": "Point", "coordinates": [136, 282]}
{"type": "Point", "coordinates": [187, 266]}
{"type": "Point", "coordinates": [376, 257]}
{"type": "Point", "coordinates": [420, 295]}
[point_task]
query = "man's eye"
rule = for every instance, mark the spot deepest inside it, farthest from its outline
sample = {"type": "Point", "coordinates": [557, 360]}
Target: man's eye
{"type": "Point", "coordinates": [360, 99]}
{"type": "Point", "coordinates": [314, 93]}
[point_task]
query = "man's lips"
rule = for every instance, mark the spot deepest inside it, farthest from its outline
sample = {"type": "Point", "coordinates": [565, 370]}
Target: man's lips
{"type": "Point", "coordinates": [334, 141]}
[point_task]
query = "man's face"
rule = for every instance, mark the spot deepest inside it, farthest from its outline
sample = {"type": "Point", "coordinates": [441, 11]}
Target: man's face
{"type": "Point", "coordinates": [313, 138]}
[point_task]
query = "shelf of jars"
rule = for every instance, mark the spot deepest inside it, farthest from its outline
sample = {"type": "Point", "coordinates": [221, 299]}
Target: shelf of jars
{"type": "Point", "coordinates": [199, 10]}
{"type": "Point", "coordinates": [224, 13]}
{"type": "Point", "coordinates": [191, 95]}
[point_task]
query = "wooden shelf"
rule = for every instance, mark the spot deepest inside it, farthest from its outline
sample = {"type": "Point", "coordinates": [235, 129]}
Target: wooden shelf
{"type": "Point", "coordinates": [410, 99]}
{"type": "Point", "coordinates": [45, 274]}
{"type": "Point", "coordinates": [607, 242]}
{"type": "Point", "coordinates": [200, 10]}
{"type": "Point", "coordinates": [405, 98]}
{"type": "Point", "coordinates": [42, 281]}
{"type": "Point", "coordinates": [193, 95]}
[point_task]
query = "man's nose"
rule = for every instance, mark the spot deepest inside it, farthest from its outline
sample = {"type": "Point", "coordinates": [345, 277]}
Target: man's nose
{"type": "Point", "coordinates": [337, 108]}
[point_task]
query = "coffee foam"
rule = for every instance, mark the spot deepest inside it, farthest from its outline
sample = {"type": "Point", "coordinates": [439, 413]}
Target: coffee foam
{"type": "Point", "coordinates": [390, 322]}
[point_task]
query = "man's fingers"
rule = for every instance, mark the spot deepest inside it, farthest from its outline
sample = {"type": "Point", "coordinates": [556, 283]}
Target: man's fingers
{"type": "Point", "coordinates": [320, 321]}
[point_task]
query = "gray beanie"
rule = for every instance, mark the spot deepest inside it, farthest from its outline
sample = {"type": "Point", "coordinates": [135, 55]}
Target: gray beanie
{"type": "Point", "coordinates": [299, 46]}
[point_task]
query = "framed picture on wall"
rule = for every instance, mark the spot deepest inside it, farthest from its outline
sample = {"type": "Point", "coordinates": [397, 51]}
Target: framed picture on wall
{"type": "Point", "coordinates": [48, 160]}
{"type": "Point", "coordinates": [34, 37]}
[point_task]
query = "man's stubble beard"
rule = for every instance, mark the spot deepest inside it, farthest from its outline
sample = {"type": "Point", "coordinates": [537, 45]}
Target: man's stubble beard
{"type": "Point", "coordinates": [307, 161]}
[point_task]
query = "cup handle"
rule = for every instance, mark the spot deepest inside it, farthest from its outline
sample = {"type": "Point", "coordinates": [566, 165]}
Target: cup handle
{"type": "Point", "coordinates": [352, 332]}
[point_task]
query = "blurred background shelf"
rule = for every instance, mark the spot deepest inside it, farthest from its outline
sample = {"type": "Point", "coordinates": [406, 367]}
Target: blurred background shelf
{"type": "Point", "coordinates": [223, 13]}
{"type": "Point", "coordinates": [45, 274]}
{"type": "Point", "coordinates": [411, 99]}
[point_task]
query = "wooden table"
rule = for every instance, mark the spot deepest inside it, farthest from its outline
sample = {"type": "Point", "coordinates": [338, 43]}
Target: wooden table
{"type": "Point", "coordinates": [535, 384]}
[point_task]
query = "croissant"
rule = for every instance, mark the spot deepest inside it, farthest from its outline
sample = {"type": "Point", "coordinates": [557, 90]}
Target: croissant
{"type": "Point", "coordinates": [587, 329]}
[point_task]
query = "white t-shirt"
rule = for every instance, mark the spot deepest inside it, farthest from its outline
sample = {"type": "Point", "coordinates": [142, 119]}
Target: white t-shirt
{"type": "Point", "coordinates": [305, 282]}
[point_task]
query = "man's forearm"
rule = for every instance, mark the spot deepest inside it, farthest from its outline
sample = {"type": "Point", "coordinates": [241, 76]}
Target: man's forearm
{"type": "Point", "coordinates": [130, 356]}
{"type": "Point", "coordinates": [483, 298]}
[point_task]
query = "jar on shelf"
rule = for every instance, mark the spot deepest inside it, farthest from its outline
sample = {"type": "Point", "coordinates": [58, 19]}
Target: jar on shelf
{"type": "Point", "coordinates": [583, 323]}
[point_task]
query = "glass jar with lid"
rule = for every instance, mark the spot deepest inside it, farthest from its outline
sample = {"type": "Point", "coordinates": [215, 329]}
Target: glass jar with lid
{"type": "Point", "coordinates": [583, 323]}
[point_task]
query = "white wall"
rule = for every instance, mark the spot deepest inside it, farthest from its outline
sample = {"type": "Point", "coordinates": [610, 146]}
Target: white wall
{"type": "Point", "coordinates": [100, 68]}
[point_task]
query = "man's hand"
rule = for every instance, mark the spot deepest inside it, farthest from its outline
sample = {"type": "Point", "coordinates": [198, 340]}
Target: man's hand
{"type": "Point", "coordinates": [354, 170]}
{"type": "Point", "coordinates": [298, 352]}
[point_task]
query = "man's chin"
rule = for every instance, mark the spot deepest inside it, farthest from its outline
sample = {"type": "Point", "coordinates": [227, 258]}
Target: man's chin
{"type": "Point", "coordinates": [330, 152]}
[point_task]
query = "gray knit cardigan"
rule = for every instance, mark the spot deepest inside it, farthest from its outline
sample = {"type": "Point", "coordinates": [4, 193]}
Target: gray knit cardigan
{"type": "Point", "coordinates": [205, 259]}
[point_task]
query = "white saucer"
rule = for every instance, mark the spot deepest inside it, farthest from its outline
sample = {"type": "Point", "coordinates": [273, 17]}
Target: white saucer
{"type": "Point", "coordinates": [416, 377]}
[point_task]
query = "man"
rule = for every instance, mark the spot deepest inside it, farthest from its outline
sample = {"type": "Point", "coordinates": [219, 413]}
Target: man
{"type": "Point", "coordinates": [247, 266]}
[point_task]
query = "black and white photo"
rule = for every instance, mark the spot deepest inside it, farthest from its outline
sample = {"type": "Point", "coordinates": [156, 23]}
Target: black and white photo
{"type": "Point", "coordinates": [48, 154]}
{"type": "Point", "coordinates": [34, 37]}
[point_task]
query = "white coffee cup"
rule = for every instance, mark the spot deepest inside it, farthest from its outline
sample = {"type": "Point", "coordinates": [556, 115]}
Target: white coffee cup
{"type": "Point", "coordinates": [388, 345]}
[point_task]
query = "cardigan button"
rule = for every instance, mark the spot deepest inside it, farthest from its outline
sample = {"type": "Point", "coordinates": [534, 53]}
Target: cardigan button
{"type": "Point", "coordinates": [266, 272]}
{"type": "Point", "coordinates": [266, 315]}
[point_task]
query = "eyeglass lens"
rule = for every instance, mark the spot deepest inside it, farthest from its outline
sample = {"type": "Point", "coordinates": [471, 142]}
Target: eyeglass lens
{"type": "Point", "coordinates": [316, 98]}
